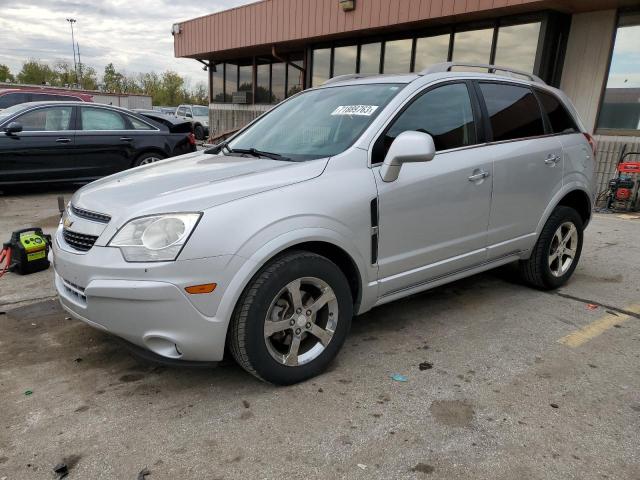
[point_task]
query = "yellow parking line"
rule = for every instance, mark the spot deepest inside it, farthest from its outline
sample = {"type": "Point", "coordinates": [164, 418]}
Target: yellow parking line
{"type": "Point", "coordinates": [598, 327]}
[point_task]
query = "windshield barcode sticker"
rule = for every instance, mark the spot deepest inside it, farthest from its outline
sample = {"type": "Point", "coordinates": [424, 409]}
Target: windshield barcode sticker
{"type": "Point", "coordinates": [364, 110]}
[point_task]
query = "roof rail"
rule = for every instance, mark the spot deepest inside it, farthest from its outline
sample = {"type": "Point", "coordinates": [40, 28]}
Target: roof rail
{"type": "Point", "coordinates": [447, 66]}
{"type": "Point", "coordinates": [349, 76]}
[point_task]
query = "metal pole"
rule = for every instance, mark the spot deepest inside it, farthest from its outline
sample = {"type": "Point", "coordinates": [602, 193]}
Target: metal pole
{"type": "Point", "coordinates": [79, 64]}
{"type": "Point", "coordinates": [73, 46]}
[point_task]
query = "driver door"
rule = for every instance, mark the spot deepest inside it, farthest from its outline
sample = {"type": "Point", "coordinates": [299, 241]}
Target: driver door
{"type": "Point", "coordinates": [433, 220]}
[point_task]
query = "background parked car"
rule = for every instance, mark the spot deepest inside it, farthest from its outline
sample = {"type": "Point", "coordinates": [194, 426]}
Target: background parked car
{"type": "Point", "coordinates": [199, 116]}
{"type": "Point", "coordinates": [173, 123]}
{"type": "Point", "coordinates": [14, 96]}
{"type": "Point", "coordinates": [66, 141]}
{"type": "Point", "coordinates": [166, 110]}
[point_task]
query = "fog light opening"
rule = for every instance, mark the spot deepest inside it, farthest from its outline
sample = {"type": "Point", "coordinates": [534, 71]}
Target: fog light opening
{"type": "Point", "coordinates": [164, 347]}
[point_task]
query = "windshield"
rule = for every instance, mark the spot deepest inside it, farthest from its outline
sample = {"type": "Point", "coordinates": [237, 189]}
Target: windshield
{"type": "Point", "coordinates": [317, 123]}
{"type": "Point", "coordinates": [200, 111]}
{"type": "Point", "coordinates": [7, 112]}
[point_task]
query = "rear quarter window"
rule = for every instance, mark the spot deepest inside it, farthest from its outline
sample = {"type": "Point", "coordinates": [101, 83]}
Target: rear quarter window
{"type": "Point", "coordinates": [560, 119]}
{"type": "Point", "coordinates": [513, 110]}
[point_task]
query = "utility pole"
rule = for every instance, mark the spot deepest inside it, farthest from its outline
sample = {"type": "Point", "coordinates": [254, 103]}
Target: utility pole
{"type": "Point", "coordinates": [73, 45]}
{"type": "Point", "coordinates": [79, 64]}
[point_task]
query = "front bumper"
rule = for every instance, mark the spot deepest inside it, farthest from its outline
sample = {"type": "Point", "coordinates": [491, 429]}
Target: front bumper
{"type": "Point", "coordinates": [145, 303]}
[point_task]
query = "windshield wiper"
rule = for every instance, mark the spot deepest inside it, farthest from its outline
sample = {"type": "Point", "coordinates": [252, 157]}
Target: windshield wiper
{"type": "Point", "coordinates": [257, 153]}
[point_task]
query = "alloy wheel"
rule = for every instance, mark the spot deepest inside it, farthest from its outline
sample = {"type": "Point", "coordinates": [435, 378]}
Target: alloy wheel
{"type": "Point", "coordinates": [563, 249]}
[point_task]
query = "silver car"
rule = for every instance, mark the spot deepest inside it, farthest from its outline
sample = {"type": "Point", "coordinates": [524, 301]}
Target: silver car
{"type": "Point", "coordinates": [342, 198]}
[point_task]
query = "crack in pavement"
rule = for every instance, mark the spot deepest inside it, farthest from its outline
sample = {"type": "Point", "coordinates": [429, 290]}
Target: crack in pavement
{"type": "Point", "coordinates": [600, 304]}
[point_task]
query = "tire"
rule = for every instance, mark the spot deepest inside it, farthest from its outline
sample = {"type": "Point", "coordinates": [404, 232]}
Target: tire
{"type": "Point", "coordinates": [147, 158]}
{"type": "Point", "coordinates": [198, 131]}
{"type": "Point", "coordinates": [267, 303]}
{"type": "Point", "coordinates": [546, 269]}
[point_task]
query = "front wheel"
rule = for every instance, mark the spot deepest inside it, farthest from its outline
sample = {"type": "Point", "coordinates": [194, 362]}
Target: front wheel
{"type": "Point", "coordinates": [292, 319]}
{"type": "Point", "coordinates": [557, 251]}
{"type": "Point", "coordinates": [199, 132]}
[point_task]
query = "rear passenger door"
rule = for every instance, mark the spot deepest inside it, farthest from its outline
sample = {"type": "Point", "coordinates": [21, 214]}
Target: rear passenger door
{"type": "Point", "coordinates": [527, 165]}
{"type": "Point", "coordinates": [104, 140]}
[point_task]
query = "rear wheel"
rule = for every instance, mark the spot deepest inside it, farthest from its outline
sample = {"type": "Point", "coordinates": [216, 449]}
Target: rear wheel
{"type": "Point", "coordinates": [199, 132]}
{"type": "Point", "coordinates": [292, 319]}
{"type": "Point", "coordinates": [147, 158]}
{"type": "Point", "coordinates": [557, 251]}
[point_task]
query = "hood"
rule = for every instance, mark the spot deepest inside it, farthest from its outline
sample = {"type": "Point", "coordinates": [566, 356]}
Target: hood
{"type": "Point", "coordinates": [192, 182]}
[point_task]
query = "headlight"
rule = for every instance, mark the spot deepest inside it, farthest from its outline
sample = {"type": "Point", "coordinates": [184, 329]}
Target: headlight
{"type": "Point", "coordinates": [157, 238]}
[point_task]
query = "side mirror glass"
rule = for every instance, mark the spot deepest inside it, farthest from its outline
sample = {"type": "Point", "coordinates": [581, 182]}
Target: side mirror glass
{"type": "Point", "coordinates": [13, 127]}
{"type": "Point", "coordinates": [408, 147]}
{"type": "Point", "coordinates": [188, 115]}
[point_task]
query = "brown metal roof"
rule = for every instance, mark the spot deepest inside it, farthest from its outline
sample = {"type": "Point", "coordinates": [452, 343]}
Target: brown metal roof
{"type": "Point", "coordinates": [289, 23]}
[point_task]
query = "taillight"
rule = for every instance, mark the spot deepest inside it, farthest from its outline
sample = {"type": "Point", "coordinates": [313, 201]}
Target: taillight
{"type": "Point", "coordinates": [592, 143]}
{"type": "Point", "coordinates": [192, 139]}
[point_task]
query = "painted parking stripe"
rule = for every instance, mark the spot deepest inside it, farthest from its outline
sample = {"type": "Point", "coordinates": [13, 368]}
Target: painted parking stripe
{"type": "Point", "coordinates": [596, 328]}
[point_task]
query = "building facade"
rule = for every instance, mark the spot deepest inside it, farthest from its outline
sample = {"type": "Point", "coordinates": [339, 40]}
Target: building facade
{"type": "Point", "coordinates": [261, 53]}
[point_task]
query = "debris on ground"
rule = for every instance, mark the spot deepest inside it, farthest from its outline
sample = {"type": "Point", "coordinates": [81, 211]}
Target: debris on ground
{"type": "Point", "coordinates": [554, 405]}
{"type": "Point", "coordinates": [77, 360]}
{"type": "Point", "coordinates": [362, 466]}
{"type": "Point", "coordinates": [28, 392]}
{"type": "Point", "coordinates": [423, 468]}
{"type": "Point", "coordinates": [592, 306]}
{"type": "Point", "coordinates": [425, 366]}
{"type": "Point", "coordinates": [246, 404]}
{"type": "Point", "coordinates": [399, 378]}
{"type": "Point", "coordinates": [61, 470]}
{"type": "Point", "coordinates": [143, 473]}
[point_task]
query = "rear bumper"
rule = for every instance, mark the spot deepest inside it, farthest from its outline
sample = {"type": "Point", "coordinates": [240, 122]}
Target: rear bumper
{"type": "Point", "coordinates": [146, 304]}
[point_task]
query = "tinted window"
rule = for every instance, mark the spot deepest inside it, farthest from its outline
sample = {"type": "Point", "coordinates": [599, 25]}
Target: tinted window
{"type": "Point", "coordinates": [11, 99]}
{"type": "Point", "coordinates": [294, 78]}
{"type": "Point", "coordinates": [445, 113]}
{"type": "Point", "coordinates": [513, 110]}
{"type": "Point", "coordinates": [559, 118]}
{"type": "Point", "coordinates": [101, 119]}
{"type": "Point", "coordinates": [50, 119]}
{"type": "Point", "coordinates": [278, 81]}
{"type": "Point", "coordinates": [139, 125]}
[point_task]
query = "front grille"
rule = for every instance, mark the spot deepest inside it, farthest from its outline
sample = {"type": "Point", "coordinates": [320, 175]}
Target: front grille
{"type": "Point", "coordinates": [79, 241]}
{"type": "Point", "coordinates": [89, 215]}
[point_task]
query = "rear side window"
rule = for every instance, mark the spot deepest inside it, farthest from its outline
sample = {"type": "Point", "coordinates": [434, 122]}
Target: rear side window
{"type": "Point", "coordinates": [445, 113]}
{"type": "Point", "coordinates": [139, 125]}
{"type": "Point", "coordinates": [513, 111]}
{"type": "Point", "coordinates": [101, 119]}
{"type": "Point", "coordinates": [559, 119]}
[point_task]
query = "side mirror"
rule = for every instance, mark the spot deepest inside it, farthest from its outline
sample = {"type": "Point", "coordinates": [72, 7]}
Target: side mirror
{"type": "Point", "coordinates": [408, 147]}
{"type": "Point", "coordinates": [13, 127]}
{"type": "Point", "coordinates": [188, 115]}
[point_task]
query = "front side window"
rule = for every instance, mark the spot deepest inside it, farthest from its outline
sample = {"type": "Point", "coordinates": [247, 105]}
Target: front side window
{"type": "Point", "coordinates": [445, 113]}
{"type": "Point", "coordinates": [181, 112]}
{"type": "Point", "coordinates": [559, 118]}
{"type": "Point", "coordinates": [317, 123]}
{"type": "Point", "coordinates": [621, 104]}
{"type": "Point", "coordinates": [50, 119]}
{"type": "Point", "coordinates": [513, 110]}
{"type": "Point", "coordinates": [101, 119]}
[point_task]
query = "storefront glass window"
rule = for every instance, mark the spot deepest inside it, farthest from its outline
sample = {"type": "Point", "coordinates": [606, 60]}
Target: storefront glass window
{"type": "Point", "coordinates": [217, 84]}
{"type": "Point", "coordinates": [621, 103]}
{"type": "Point", "coordinates": [430, 50]}
{"type": "Point", "coordinates": [344, 60]}
{"type": "Point", "coordinates": [321, 66]}
{"type": "Point", "coordinates": [263, 95]}
{"type": "Point", "coordinates": [517, 46]}
{"type": "Point", "coordinates": [277, 82]}
{"type": "Point", "coordinates": [230, 80]}
{"type": "Point", "coordinates": [296, 78]}
{"type": "Point", "coordinates": [370, 58]}
{"type": "Point", "coordinates": [397, 56]}
{"type": "Point", "coordinates": [473, 46]}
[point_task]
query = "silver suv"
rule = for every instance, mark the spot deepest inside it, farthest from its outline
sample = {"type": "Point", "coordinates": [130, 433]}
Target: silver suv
{"type": "Point", "coordinates": [342, 198]}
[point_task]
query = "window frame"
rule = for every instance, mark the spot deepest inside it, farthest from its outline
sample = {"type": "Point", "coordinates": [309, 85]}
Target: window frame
{"type": "Point", "coordinates": [537, 91]}
{"type": "Point", "coordinates": [487, 118]}
{"type": "Point", "coordinates": [475, 108]}
{"type": "Point", "coordinates": [613, 131]}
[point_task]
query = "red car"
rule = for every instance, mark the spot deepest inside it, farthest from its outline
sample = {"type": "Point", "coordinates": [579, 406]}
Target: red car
{"type": "Point", "coordinates": [13, 96]}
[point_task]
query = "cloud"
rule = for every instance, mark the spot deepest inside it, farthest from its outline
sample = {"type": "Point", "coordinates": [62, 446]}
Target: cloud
{"type": "Point", "coordinates": [134, 35]}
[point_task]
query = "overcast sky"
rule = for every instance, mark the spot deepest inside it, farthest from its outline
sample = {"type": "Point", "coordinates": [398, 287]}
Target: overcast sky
{"type": "Point", "coordinates": [133, 34]}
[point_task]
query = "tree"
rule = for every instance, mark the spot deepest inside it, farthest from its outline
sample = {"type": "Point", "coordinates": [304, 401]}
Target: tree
{"type": "Point", "coordinates": [36, 73]}
{"type": "Point", "coordinates": [200, 94]}
{"type": "Point", "coordinates": [5, 74]}
{"type": "Point", "coordinates": [65, 75]}
{"type": "Point", "coordinates": [89, 79]}
{"type": "Point", "coordinates": [113, 81]}
{"type": "Point", "coordinates": [172, 84]}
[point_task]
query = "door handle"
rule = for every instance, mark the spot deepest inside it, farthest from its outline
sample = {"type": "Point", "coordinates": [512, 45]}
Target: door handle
{"type": "Point", "coordinates": [126, 139]}
{"type": "Point", "coordinates": [478, 176]}
{"type": "Point", "coordinates": [552, 159]}
{"type": "Point", "coordinates": [63, 140]}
